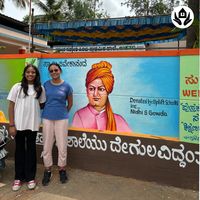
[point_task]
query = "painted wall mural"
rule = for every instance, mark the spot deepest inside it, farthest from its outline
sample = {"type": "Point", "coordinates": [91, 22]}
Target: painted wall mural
{"type": "Point", "coordinates": [153, 130]}
{"type": "Point", "coordinates": [143, 93]}
{"type": "Point", "coordinates": [189, 99]}
{"type": "Point", "coordinates": [155, 96]}
{"type": "Point", "coordinates": [11, 71]}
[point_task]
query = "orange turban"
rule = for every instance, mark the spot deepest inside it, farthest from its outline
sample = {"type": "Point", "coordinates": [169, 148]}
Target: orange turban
{"type": "Point", "coordinates": [103, 71]}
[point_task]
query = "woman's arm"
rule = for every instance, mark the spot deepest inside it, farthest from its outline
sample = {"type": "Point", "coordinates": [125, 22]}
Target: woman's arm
{"type": "Point", "coordinates": [11, 112]}
{"type": "Point", "coordinates": [12, 128]}
{"type": "Point", "coordinates": [42, 98]}
{"type": "Point", "coordinates": [70, 102]}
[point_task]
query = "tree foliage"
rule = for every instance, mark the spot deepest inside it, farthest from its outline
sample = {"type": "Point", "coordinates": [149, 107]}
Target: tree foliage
{"type": "Point", "coordinates": [193, 31]}
{"type": "Point", "coordinates": [51, 9]}
{"type": "Point", "coordinates": [151, 7]}
{"type": "Point", "coordinates": [65, 10]}
{"type": "Point", "coordinates": [88, 9]}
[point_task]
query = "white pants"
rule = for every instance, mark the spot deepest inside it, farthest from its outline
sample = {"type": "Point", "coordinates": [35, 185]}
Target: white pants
{"type": "Point", "coordinates": [55, 130]}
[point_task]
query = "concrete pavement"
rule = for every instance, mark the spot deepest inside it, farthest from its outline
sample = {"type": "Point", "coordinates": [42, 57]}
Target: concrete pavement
{"type": "Point", "coordinates": [84, 185]}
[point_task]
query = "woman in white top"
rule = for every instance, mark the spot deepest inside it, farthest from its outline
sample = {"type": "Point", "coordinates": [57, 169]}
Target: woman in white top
{"type": "Point", "coordinates": [25, 99]}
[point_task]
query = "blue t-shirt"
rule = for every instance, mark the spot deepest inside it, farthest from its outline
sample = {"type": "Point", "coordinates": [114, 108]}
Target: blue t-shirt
{"type": "Point", "coordinates": [56, 97]}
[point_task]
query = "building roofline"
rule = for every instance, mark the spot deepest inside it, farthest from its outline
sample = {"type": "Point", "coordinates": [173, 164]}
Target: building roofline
{"type": "Point", "coordinates": [13, 23]}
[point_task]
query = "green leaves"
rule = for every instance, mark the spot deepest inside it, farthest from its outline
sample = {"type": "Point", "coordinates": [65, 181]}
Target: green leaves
{"type": "Point", "coordinates": [149, 7]}
{"type": "Point", "coordinates": [62, 10]}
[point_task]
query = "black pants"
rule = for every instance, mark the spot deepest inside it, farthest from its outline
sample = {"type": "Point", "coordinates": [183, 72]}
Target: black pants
{"type": "Point", "coordinates": [25, 155]}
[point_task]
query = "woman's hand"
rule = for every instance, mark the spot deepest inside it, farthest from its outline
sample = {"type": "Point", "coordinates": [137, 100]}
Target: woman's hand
{"type": "Point", "coordinates": [12, 128]}
{"type": "Point", "coordinates": [12, 131]}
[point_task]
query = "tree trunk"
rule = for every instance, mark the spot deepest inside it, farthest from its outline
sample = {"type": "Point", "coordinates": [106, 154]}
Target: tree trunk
{"type": "Point", "coordinates": [191, 32]}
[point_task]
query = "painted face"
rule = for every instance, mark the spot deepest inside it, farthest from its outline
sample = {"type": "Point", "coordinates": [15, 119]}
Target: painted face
{"type": "Point", "coordinates": [54, 72]}
{"type": "Point", "coordinates": [30, 75]}
{"type": "Point", "coordinates": [97, 94]}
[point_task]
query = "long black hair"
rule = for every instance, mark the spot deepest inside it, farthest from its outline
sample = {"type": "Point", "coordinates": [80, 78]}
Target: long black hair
{"type": "Point", "coordinates": [36, 84]}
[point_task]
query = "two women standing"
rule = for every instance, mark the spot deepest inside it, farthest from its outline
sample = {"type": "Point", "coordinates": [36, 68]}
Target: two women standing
{"type": "Point", "coordinates": [25, 99]}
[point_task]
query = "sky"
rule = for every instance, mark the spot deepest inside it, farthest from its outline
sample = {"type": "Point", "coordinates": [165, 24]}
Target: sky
{"type": "Point", "coordinates": [113, 8]}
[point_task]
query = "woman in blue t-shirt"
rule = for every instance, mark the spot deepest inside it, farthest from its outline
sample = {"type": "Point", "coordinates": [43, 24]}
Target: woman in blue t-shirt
{"type": "Point", "coordinates": [59, 100]}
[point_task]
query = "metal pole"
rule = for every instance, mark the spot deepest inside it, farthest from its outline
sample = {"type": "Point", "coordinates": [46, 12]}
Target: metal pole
{"type": "Point", "coordinates": [29, 32]}
{"type": "Point", "coordinates": [32, 46]}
